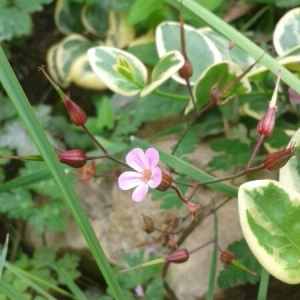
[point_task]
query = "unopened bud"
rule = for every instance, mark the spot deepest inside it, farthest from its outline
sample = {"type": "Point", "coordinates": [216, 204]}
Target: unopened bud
{"type": "Point", "coordinates": [178, 256]}
{"type": "Point", "coordinates": [278, 159]}
{"type": "Point", "coordinates": [166, 180]}
{"type": "Point", "coordinates": [76, 113]}
{"type": "Point", "coordinates": [186, 71]}
{"type": "Point", "coordinates": [149, 224]}
{"type": "Point", "coordinates": [226, 257]}
{"type": "Point", "coordinates": [192, 208]}
{"type": "Point", "coordinates": [266, 125]}
{"type": "Point", "coordinates": [74, 158]}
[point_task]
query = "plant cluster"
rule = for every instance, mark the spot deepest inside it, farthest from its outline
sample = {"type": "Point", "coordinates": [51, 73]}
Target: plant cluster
{"type": "Point", "coordinates": [221, 82]}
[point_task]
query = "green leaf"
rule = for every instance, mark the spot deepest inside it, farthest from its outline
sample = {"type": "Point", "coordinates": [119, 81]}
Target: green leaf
{"type": "Point", "coordinates": [69, 263]}
{"type": "Point", "coordinates": [90, 16]}
{"type": "Point", "coordinates": [204, 47]}
{"type": "Point", "coordinates": [16, 204]}
{"type": "Point", "coordinates": [106, 63]}
{"type": "Point", "coordinates": [141, 9]}
{"type": "Point", "coordinates": [154, 289]}
{"type": "Point", "coordinates": [170, 63]}
{"type": "Point", "coordinates": [168, 39]}
{"type": "Point", "coordinates": [287, 3]}
{"type": "Point", "coordinates": [216, 77]}
{"type": "Point", "coordinates": [14, 23]}
{"type": "Point", "coordinates": [135, 277]}
{"type": "Point", "coordinates": [188, 143]}
{"type": "Point", "coordinates": [67, 17]}
{"type": "Point", "coordinates": [269, 215]}
{"type": "Point", "coordinates": [32, 5]}
{"type": "Point", "coordinates": [236, 154]}
{"type": "Point", "coordinates": [105, 112]}
{"type": "Point", "coordinates": [68, 58]}
{"type": "Point", "coordinates": [3, 255]}
{"type": "Point", "coordinates": [232, 276]}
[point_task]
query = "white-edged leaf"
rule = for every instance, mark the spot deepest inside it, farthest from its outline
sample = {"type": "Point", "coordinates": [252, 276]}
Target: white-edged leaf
{"type": "Point", "coordinates": [170, 63]}
{"type": "Point", "coordinates": [52, 66]}
{"type": "Point", "coordinates": [204, 47]}
{"type": "Point", "coordinates": [289, 174]}
{"type": "Point", "coordinates": [200, 50]}
{"type": "Point", "coordinates": [82, 74]}
{"type": "Point", "coordinates": [287, 34]}
{"type": "Point", "coordinates": [105, 62]}
{"type": "Point", "coordinates": [62, 56]}
{"type": "Point", "coordinates": [67, 17]}
{"type": "Point", "coordinates": [214, 77]}
{"type": "Point", "coordinates": [94, 17]}
{"type": "Point", "coordinates": [269, 216]}
{"type": "Point", "coordinates": [119, 35]}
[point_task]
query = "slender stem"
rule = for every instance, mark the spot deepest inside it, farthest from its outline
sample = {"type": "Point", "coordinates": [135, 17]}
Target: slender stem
{"type": "Point", "coordinates": [202, 246]}
{"type": "Point", "coordinates": [181, 197]}
{"type": "Point", "coordinates": [213, 267]}
{"type": "Point", "coordinates": [92, 157]}
{"type": "Point", "coordinates": [183, 135]}
{"type": "Point", "coordinates": [263, 285]}
{"type": "Point", "coordinates": [88, 133]}
{"type": "Point", "coordinates": [169, 95]}
{"type": "Point", "coordinates": [257, 146]}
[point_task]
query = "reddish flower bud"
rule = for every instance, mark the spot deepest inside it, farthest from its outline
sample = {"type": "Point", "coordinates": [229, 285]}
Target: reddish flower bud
{"type": "Point", "coordinates": [166, 180]}
{"type": "Point", "coordinates": [76, 113]}
{"type": "Point", "coordinates": [149, 224]}
{"type": "Point", "coordinates": [178, 256]}
{"type": "Point", "coordinates": [266, 125]}
{"type": "Point", "coordinates": [186, 71]}
{"type": "Point", "coordinates": [192, 208]}
{"type": "Point", "coordinates": [74, 158]}
{"type": "Point", "coordinates": [278, 159]}
{"type": "Point", "coordinates": [226, 257]}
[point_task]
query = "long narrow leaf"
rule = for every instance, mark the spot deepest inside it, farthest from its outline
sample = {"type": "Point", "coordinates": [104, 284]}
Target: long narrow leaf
{"type": "Point", "coordinates": [24, 180]}
{"type": "Point", "coordinates": [3, 255]}
{"type": "Point", "coordinates": [24, 109]}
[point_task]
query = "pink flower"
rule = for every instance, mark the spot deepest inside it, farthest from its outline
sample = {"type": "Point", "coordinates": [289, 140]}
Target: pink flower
{"type": "Point", "coordinates": [147, 173]}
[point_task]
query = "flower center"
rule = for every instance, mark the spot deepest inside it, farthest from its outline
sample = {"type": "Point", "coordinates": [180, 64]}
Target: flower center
{"type": "Point", "coordinates": [146, 175]}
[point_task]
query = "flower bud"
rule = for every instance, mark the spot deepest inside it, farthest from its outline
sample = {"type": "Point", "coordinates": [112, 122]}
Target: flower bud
{"type": "Point", "coordinates": [76, 113]}
{"type": "Point", "coordinates": [266, 125]}
{"type": "Point", "coordinates": [192, 208]}
{"type": "Point", "coordinates": [166, 180]}
{"type": "Point", "coordinates": [226, 257]}
{"type": "Point", "coordinates": [149, 224]}
{"type": "Point", "coordinates": [74, 158]}
{"type": "Point", "coordinates": [178, 256]}
{"type": "Point", "coordinates": [278, 159]}
{"type": "Point", "coordinates": [186, 71]}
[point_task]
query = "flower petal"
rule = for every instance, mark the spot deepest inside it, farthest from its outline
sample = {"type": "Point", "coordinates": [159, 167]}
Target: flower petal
{"type": "Point", "coordinates": [136, 160]}
{"type": "Point", "coordinates": [156, 177]}
{"type": "Point", "coordinates": [152, 157]}
{"type": "Point", "coordinates": [140, 192]}
{"type": "Point", "coordinates": [129, 180]}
